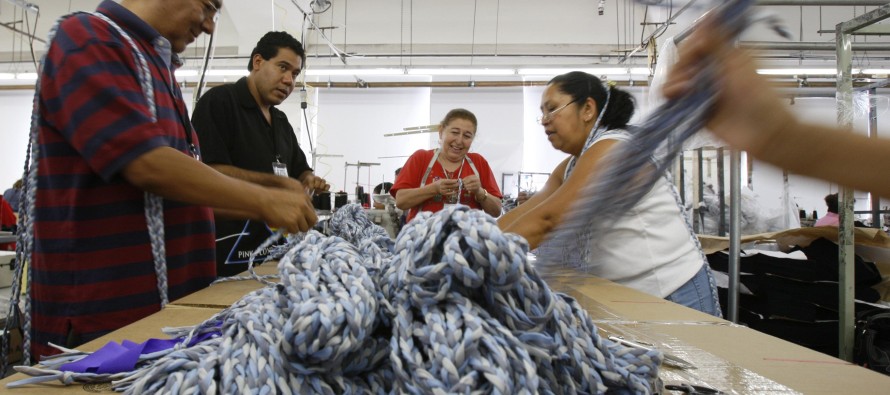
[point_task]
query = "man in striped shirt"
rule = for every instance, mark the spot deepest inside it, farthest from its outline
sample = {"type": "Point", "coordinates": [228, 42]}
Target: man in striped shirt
{"type": "Point", "coordinates": [102, 148]}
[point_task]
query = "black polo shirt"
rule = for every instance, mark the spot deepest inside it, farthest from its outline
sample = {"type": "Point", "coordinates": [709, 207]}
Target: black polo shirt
{"type": "Point", "coordinates": [232, 131]}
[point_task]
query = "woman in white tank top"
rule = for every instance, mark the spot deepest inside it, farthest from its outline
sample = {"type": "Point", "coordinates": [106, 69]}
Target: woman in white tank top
{"type": "Point", "coordinates": [650, 248]}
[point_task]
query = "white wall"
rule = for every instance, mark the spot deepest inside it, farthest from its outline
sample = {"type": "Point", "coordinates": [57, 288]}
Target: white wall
{"type": "Point", "coordinates": [15, 111]}
{"type": "Point", "coordinates": [352, 122]}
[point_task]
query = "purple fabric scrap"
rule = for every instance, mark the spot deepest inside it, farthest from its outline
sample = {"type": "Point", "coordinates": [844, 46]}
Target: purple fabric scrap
{"type": "Point", "coordinates": [119, 358]}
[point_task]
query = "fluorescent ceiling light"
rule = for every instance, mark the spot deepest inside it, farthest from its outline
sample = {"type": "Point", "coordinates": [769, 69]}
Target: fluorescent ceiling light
{"type": "Point", "coordinates": [824, 71]}
{"type": "Point", "coordinates": [7, 76]}
{"type": "Point", "coordinates": [185, 73]}
{"type": "Point", "coordinates": [594, 71]}
{"type": "Point", "coordinates": [442, 71]}
{"type": "Point", "coordinates": [354, 71]}
{"type": "Point", "coordinates": [228, 72]}
{"type": "Point", "coordinates": [26, 76]}
{"type": "Point", "coordinates": [875, 71]}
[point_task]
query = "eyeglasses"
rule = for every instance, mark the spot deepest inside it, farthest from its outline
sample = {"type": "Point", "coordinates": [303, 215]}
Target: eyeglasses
{"type": "Point", "coordinates": [211, 11]}
{"type": "Point", "coordinates": [548, 116]}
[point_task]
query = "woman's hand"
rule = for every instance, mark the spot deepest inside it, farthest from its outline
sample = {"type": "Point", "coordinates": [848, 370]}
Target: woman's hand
{"type": "Point", "coordinates": [473, 185]}
{"type": "Point", "coordinates": [446, 187]}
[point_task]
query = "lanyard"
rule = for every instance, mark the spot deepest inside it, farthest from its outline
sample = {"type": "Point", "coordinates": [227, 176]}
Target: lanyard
{"type": "Point", "coordinates": [181, 115]}
{"type": "Point", "coordinates": [272, 135]}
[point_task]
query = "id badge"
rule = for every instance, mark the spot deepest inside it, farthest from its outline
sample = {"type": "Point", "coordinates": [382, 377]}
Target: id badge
{"type": "Point", "coordinates": [280, 169]}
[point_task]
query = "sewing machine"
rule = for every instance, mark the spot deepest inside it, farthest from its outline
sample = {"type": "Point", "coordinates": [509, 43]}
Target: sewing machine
{"type": "Point", "coordinates": [388, 217]}
{"type": "Point", "coordinates": [6, 268]}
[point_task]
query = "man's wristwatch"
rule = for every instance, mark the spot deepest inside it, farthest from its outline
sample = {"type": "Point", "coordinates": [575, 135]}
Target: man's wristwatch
{"type": "Point", "coordinates": [484, 196]}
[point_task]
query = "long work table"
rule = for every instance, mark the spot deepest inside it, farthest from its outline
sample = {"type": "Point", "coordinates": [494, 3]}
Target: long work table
{"type": "Point", "coordinates": [728, 357]}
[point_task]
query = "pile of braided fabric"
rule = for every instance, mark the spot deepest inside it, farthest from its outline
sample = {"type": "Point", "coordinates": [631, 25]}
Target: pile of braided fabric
{"type": "Point", "coordinates": [450, 306]}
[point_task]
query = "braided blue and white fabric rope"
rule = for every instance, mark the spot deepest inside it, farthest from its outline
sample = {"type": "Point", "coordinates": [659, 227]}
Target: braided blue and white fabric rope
{"type": "Point", "coordinates": [451, 306]}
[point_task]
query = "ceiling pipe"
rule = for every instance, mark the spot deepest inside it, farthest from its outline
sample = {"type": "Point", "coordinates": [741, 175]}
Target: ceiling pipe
{"type": "Point", "coordinates": [816, 3]}
{"type": "Point", "coordinates": [809, 46]}
{"type": "Point", "coordinates": [645, 42]}
{"type": "Point", "coordinates": [22, 32]}
{"type": "Point", "coordinates": [842, 3]}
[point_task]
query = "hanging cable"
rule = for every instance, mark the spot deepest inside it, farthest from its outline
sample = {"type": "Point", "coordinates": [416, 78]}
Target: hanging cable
{"type": "Point", "coordinates": [31, 34]}
{"type": "Point", "coordinates": [617, 27]}
{"type": "Point", "coordinates": [345, 23]}
{"type": "Point", "coordinates": [304, 105]}
{"type": "Point", "coordinates": [473, 39]}
{"type": "Point", "coordinates": [497, 22]}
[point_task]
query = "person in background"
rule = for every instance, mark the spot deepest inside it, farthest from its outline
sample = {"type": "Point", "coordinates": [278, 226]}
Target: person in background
{"type": "Point", "coordinates": [245, 136]}
{"type": "Point", "coordinates": [830, 218]}
{"type": "Point", "coordinates": [381, 188]}
{"type": "Point", "coordinates": [7, 223]}
{"type": "Point", "coordinates": [384, 187]}
{"type": "Point", "coordinates": [104, 151]}
{"type": "Point", "coordinates": [449, 174]}
{"type": "Point", "coordinates": [523, 196]}
{"type": "Point", "coordinates": [651, 248]}
{"type": "Point", "coordinates": [749, 115]}
{"type": "Point", "coordinates": [14, 195]}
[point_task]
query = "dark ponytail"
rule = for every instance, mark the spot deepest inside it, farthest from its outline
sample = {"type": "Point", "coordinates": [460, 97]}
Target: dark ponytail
{"type": "Point", "coordinates": [580, 85]}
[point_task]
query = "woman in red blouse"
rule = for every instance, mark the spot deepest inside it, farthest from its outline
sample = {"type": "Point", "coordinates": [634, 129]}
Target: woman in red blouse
{"type": "Point", "coordinates": [450, 174]}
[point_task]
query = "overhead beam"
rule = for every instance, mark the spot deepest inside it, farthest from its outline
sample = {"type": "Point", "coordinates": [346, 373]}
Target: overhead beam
{"type": "Point", "coordinates": [809, 46]}
{"type": "Point", "coordinates": [862, 21]}
{"type": "Point", "coordinates": [820, 3]}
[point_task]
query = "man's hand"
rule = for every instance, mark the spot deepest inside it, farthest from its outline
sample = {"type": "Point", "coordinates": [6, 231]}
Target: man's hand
{"type": "Point", "coordinates": [286, 209]}
{"type": "Point", "coordinates": [315, 183]}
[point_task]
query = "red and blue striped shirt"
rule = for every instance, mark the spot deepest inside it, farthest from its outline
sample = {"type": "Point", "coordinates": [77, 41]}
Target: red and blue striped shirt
{"type": "Point", "coordinates": [92, 265]}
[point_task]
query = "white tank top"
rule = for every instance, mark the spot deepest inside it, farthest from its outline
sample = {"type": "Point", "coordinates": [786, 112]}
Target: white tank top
{"type": "Point", "coordinates": [650, 248]}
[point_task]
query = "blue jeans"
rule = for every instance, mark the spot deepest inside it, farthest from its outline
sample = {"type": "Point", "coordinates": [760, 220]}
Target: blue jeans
{"type": "Point", "coordinates": [698, 293]}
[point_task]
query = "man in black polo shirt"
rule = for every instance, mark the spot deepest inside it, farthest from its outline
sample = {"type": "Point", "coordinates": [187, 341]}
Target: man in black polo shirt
{"type": "Point", "coordinates": [243, 135]}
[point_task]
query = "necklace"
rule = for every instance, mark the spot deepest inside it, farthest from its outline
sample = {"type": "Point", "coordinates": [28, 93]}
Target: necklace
{"type": "Point", "coordinates": [451, 174]}
{"type": "Point", "coordinates": [454, 174]}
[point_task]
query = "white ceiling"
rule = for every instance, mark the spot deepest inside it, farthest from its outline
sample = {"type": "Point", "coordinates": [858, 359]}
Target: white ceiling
{"type": "Point", "coordinates": [455, 33]}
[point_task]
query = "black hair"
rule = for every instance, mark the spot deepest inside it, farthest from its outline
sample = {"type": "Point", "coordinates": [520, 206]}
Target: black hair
{"type": "Point", "coordinates": [831, 202]}
{"type": "Point", "coordinates": [271, 42]}
{"type": "Point", "coordinates": [458, 113]}
{"type": "Point", "coordinates": [382, 187]}
{"type": "Point", "coordinates": [580, 85]}
{"type": "Point", "coordinates": [399, 170]}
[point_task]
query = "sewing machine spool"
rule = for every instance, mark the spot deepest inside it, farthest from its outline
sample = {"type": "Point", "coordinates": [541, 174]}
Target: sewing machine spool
{"type": "Point", "coordinates": [322, 201]}
{"type": "Point", "coordinates": [340, 199]}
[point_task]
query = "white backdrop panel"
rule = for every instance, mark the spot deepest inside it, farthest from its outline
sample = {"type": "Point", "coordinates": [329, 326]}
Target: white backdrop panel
{"type": "Point", "coordinates": [352, 122]}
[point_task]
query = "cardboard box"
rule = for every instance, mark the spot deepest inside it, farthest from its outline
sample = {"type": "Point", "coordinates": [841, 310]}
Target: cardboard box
{"type": "Point", "coordinates": [6, 268]}
{"type": "Point", "coordinates": [15, 343]}
{"type": "Point", "coordinates": [736, 359]}
{"type": "Point", "coordinates": [732, 358]}
{"type": "Point", "coordinates": [146, 328]}
{"type": "Point", "coordinates": [868, 237]}
{"type": "Point", "coordinates": [225, 294]}
{"type": "Point", "coordinates": [729, 357]}
{"type": "Point", "coordinates": [605, 300]}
